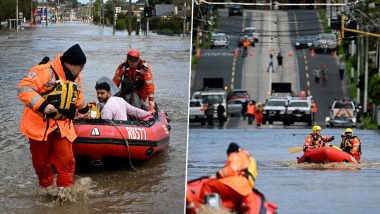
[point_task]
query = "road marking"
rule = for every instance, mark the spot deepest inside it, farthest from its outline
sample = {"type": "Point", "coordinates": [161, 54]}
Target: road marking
{"type": "Point", "coordinates": [233, 72]}
{"type": "Point", "coordinates": [304, 57]}
{"type": "Point", "coordinates": [307, 75]}
{"type": "Point", "coordinates": [308, 83]}
{"type": "Point", "coordinates": [306, 68]}
{"type": "Point", "coordinates": [308, 92]}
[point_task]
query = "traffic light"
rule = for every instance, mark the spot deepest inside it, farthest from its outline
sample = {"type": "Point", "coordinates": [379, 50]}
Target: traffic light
{"type": "Point", "coordinates": [148, 11]}
{"type": "Point", "coordinates": [350, 24]}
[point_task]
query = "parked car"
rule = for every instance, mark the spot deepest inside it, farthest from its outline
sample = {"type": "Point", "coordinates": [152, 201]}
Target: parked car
{"type": "Point", "coordinates": [235, 10]}
{"type": "Point", "coordinates": [196, 112]}
{"type": "Point", "coordinates": [342, 113]}
{"type": "Point", "coordinates": [219, 40]}
{"type": "Point", "coordinates": [235, 106]}
{"type": "Point", "coordinates": [251, 32]}
{"type": "Point", "coordinates": [325, 42]}
{"type": "Point", "coordinates": [238, 94]}
{"type": "Point", "coordinates": [275, 109]}
{"type": "Point", "coordinates": [299, 110]}
{"type": "Point", "coordinates": [304, 42]}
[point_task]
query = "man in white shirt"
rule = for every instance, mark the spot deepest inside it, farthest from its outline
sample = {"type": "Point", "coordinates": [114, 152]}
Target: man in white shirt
{"type": "Point", "coordinates": [116, 108]}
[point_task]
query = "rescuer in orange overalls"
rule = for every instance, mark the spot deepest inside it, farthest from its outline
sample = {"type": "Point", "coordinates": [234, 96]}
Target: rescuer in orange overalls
{"type": "Point", "coordinates": [351, 144]}
{"type": "Point", "coordinates": [313, 109]}
{"type": "Point", "coordinates": [52, 94]}
{"type": "Point", "coordinates": [232, 183]}
{"type": "Point", "coordinates": [259, 114]}
{"type": "Point", "coordinates": [140, 73]}
{"type": "Point", "coordinates": [316, 140]}
{"type": "Point", "coordinates": [246, 44]}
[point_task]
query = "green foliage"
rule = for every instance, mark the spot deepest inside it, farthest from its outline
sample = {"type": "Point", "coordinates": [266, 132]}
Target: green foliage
{"type": "Point", "coordinates": [322, 14]}
{"type": "Point", "coordinates": [8, 8]}
{"type": "Point", "coordinates": [374, 89]}
{"type": "Point", "coordinates": [368, 123]}
{"type": "Point", "coordinates": [120, 24]}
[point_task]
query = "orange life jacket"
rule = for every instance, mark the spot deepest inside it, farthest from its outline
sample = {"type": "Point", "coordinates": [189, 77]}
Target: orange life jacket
{"type": "Point", "coordinates": [41, 79]}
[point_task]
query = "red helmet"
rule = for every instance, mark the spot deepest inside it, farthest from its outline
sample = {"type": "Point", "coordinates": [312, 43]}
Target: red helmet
{"type": "Point", "coordinates": [133, 55]}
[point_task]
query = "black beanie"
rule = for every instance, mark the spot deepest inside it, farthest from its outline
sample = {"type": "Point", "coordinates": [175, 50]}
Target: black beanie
{"type": "Point", "coordinates": [74, 56]}
{"type": "Point", "coordinates": [233, 147]}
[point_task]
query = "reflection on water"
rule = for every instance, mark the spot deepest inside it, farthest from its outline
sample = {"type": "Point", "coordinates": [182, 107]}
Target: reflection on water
{"type": "Point", "coordinates": [295, 188]}
{"type": "Point", "coordinates": [159, 182]}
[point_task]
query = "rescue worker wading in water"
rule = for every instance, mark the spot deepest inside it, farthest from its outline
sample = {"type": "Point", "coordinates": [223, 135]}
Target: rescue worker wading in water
{"type": "Point", "coordinates": [139, 72]}
{"type": "Point", "coordinates": [52, 94]}
{"type": "Point", "coordinates": [316, 140]}
{"type": "Point", "coordinates": [351, 144]}
{"type": "Point", "coordinates": [235, 181]}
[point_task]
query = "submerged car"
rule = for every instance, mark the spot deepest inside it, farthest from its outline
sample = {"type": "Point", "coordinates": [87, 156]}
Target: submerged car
{"type": "Point", "coordinates": [342, 113]}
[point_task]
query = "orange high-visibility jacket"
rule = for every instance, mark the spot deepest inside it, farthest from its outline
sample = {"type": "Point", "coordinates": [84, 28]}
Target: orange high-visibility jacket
{"type": "Point", "coordinates": [232, 175]}
{"type": "Point", "coordinates": [315, 142]}
{"type": "Point", "coordinates": [314, 107]}
{"type": "Point", "coordinates": [246, 43]}
{"type": "Point", "coordinates": [141, 76]}
{"type": "Point", "coordinates": [39, 80]}
{"type": "Point", "coordinates": [251, 109]}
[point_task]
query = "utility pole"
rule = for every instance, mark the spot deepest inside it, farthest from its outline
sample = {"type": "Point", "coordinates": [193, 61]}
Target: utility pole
{"type": "Point", "coordinates": [366, 75]}
{"type": "Point", "coordinates": [147, 20]}
{"type": "Point", "coordinates": [359, 48]}
{"type": "Point", "coordinates": [17, 16]}
{"type": "Point", "coordinates": [31, 12]}
{"type": "Point", "coordinates": [184, 19]}
{"type": "Point", "coordinates": [130, 18]}
{"type": "Point", "coordinates": [270, 68]}
{"type": "Point", "coordinates": [114, 17]}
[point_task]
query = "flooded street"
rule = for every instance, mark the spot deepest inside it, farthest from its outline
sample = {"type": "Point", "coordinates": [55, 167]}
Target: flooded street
{"type": "Point", "coordinates": [295, 188]}
{"type": "Point", "coordinates": [158, 186]}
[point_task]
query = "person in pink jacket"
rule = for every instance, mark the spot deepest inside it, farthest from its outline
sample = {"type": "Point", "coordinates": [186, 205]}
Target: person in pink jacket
{"type": "Point", "coordinates": [116, 108]}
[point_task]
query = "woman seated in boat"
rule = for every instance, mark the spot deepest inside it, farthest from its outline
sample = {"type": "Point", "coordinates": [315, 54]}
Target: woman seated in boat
{"type": "Point", "coordinates": [351, 144]}
{"type": "Point", "coordinates": [116, 108]}
{"type": "Point", "coordinates": [316, 140]}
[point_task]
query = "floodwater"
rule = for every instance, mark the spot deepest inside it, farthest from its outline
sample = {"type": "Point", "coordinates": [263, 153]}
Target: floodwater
{"type": "Point", "coordinates": [295, 188]}
{"type": "Point", "coordinates": [158, 184]}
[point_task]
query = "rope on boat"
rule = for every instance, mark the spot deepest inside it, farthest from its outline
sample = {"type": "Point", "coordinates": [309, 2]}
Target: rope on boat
{"type": "Point", "coordinates": [126, 143]}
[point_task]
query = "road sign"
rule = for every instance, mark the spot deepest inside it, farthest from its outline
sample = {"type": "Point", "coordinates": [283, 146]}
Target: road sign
{"type": "Point", "coordinates": [118, 9]}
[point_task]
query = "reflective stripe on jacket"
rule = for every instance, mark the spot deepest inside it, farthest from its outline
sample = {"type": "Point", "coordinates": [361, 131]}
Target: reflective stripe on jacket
{"type": "Point", "coordinates": [40, 79]}
{"type": "Point", "coordinates": [141, 74]}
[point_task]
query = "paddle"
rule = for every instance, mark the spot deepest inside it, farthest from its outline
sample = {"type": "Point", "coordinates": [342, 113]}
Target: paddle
{"type": "Point", "coordinates": [295, 149]}
{"type": "Point", "coordinates": [298, 149]}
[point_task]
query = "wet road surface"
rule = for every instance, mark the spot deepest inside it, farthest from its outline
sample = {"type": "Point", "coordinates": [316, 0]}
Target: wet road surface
{"type": "Point", "coordinates": [295, 188]}
{"type": "Point", "coordinates": [158, 186]}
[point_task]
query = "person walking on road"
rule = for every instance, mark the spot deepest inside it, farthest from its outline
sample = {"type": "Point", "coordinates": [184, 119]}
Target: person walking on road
{"type": "Point", "coordinates": [317, 75]}
{"type": "Point", "coordinates": [210, 114]}
{"type": "Point", "coordinates": [52, 96]}
{"type": "Point", "coordinates": [244, 109]}
{"type": "Point", "coordinates": [342, 68]}
{"type": "Point", "coordinates": [259, 114]}
{"type": "Point", "coordinates": [246, 44]}
{"type": "Point", "coordinates": [270, 65]}
{"type": "Point", "coordinates": [220, 111]}
{"type": "Point", "coordinates": [313, 109]}
{"type": "Point", "coordinates": [279, 61]}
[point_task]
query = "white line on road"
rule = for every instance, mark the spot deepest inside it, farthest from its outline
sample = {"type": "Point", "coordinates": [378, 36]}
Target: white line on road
{"type": "Point", "coordinates": [308, 92]}
{"type": "Point", "coordinates": [307, 75]}
{"type": "Point", "coordinates": [306, 68]}
{"type": "Point", "coordinates": [308, 83]}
